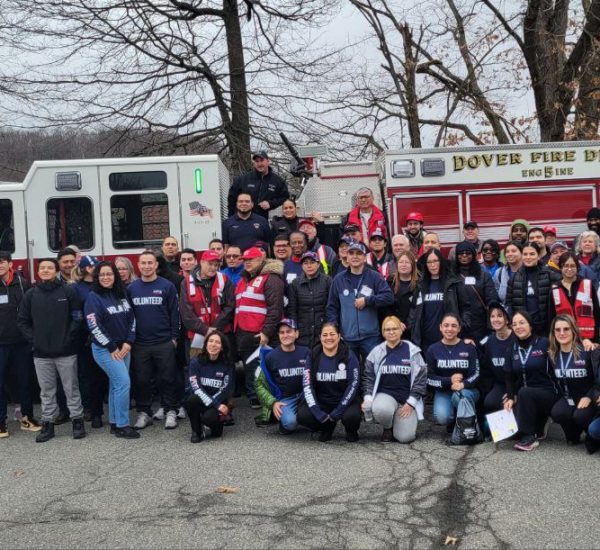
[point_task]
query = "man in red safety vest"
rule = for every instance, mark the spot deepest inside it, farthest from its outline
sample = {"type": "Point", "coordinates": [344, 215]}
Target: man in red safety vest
{"type": "Point", "coordinates": [366, 215]}
{"type": "Point", "coordinates": [258, 310]}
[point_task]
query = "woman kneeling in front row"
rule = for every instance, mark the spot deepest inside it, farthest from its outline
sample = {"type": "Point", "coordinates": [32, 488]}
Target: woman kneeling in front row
{"type": "Point", "coordinates": [453, 370]}
{"type": "Point", "coordinates": [330, 385]}
{"type": "Point", "coordinates": [394, 382]}
{"type": "Point", "coordinates": [211, 380]}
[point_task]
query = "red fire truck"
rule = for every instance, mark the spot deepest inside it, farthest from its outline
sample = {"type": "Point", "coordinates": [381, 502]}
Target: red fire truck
{"type": "Point", "coordinates": [547, 184]}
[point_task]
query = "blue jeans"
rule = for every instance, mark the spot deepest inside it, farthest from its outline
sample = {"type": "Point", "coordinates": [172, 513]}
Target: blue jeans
{"type": "Point", "coordinates": [594, 429]}
{"type": "Point", "coordinates": [289, 418]}
{"type": "Point", "coordinates": [446, 401]}
{"type": "Point", "coordinates": [16, 360]}
{"type": "Point", "coordinates": [362, 348]}
{"type": "Point", "coordinates": [119, 385]}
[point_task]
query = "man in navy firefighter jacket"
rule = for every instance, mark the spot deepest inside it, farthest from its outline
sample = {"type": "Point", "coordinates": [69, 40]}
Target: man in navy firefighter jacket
{"type": "Point", "coordinates": [355, 296]}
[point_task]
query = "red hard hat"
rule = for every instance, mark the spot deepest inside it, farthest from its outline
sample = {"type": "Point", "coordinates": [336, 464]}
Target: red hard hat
{"type": "Point", "coordinates": [416, 216]}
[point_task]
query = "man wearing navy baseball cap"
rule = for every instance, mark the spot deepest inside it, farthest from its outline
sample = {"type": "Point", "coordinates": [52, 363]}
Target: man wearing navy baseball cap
{"type": "Point", "coordinates": [278, 379]}
{"type": "Point", "coordinates": [354, 300]}
{"type": "Point", "coordinates": [267, 189]}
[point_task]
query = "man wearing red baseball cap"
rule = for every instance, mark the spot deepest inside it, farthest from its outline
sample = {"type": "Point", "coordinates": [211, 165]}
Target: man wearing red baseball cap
{"type": "Point", "coordinates": [206, 300]}
{"type": "Point", "coordinates": [258, 310]}
{"type": "Point", "coordinates": [550, 235]}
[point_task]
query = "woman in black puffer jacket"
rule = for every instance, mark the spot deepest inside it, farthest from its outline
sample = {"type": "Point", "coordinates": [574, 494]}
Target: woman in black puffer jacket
{"type": "Point", "coordinates": [475, 290]}
{"type": "Point", "coordinates": [307, 300]}
{"type": "Point", "coordinates": [530, 289]}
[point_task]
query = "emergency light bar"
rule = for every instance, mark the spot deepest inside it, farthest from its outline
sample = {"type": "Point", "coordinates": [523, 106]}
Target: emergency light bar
{"type": "Point", "coordinates": [403, 168]}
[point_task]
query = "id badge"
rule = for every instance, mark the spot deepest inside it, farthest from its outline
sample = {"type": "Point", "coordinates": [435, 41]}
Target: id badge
{"type": "Point", "coordinates": [571, 402]}
{"type": "Point", "coordinates": [4, 299]}
{"type": "Point", "coordinates": [470, 280]}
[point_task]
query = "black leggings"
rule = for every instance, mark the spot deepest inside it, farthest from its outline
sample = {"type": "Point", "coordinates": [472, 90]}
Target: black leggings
{"type": "Point", "coordinates": [493, 399]}
{"type": "Point", "coordinates": [350, 418]}
{"type": "Point", "coordinates": [572, 420]}
{"type": "Point", "coordinates": [201, 415]}
{"type": "Point", "coordinates": [533, 409]}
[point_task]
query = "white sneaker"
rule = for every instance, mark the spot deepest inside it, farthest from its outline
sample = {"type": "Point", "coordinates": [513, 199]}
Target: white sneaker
{"type": "Point", "coordinates": [171, 420]}
{"type": "Point", "coordinates": [159, 414]}
{"type": "Point", "coordinates": [181, 413]}
{"type": "Point", "coordinates": [143, 420]}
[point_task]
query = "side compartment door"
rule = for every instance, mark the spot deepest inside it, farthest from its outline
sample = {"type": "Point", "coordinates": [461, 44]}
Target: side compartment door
{"type": "Point", "coordinates": [442, 211]}
{"type": "Point", "coordinates": [200, 185]}
{"type": "Point", "coordinates": [62, 205]}
{"type": "Point", "coordinates": [140, 206]}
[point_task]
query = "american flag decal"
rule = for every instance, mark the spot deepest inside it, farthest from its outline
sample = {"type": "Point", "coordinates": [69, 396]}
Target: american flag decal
{"type": "Point", "coordinates": [198, 209]}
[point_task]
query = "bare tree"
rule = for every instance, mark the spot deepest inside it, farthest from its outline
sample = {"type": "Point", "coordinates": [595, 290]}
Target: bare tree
{"type": "Point", "coordinates": [193, 70]}
{"type": "Point", "coordinates": [468, 70]}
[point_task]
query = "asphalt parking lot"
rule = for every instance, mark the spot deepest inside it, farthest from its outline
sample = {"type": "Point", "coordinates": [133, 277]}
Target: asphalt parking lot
{"type": "Point", "coordinates": [292, 492]}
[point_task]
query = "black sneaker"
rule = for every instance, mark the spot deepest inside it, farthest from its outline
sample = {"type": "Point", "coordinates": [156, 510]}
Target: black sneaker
{"type": "Point", "coordinates": [127, 433]}
{"type": "Point", "coordinates": [351, 437]}
{"type": "Point", "coordinates": [78, 428]}
{"type": "Point", "coordinates": [3, 430]}
{"type": "Point", "coordinates": [113, 428]}
{"type": "Point", "coordinates": [97, 422]}
{"type": "Point", "coordinates": [283, 431]}
{"type": "Point", "coordinates": [262, 423]}
{"type": "Point", "coordinates": [197, 437]}
{"type": "Point", "coordinates": [591, 445]}
{"type": "Point", "coordinates": [255, 403]}
{"type": "Point", "coordinates": [46, 434]}
{"type": "Point", "coordinates": [325, 436]}
{"type": "Point", "coordinates": [62, 418]}
{"type": "Point", "coordinates": [229, 420]}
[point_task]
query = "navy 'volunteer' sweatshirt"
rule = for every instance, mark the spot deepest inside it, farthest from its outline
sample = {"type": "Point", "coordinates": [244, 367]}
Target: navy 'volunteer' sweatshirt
{"type": "Point", "coordinates": [285, 368]}
{"type": "Point", "coordinates": [211, 381]}
{"type": "Point", "coordinates": [443, 361]}
{"type": "Point", "coordinates": [156, 309]}
{"type": "Point", "coordinates": [110, 320]}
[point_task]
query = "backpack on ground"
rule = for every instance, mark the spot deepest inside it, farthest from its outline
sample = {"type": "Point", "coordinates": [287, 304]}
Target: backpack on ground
{"type": "Point", "coordinates": [466, 429]}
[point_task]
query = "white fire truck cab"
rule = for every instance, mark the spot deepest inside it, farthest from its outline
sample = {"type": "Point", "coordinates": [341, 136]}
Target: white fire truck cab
{"type": "Point", "coordinates": [112, 207]}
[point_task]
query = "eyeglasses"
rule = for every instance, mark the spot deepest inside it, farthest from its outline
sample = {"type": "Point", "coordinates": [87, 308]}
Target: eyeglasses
{"type": "Point", "coordinates": [432, 262]}
{"type": "Point", "coordinates": [105, 275]}
{"type": "Point", "coordinates": [232, 256]}
{"type": "Point", "coordinates": [465, 253]}
{"type": "Point", "coordinates": [487, 250]}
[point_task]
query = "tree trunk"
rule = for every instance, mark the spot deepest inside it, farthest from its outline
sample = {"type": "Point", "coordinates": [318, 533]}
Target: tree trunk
{"type": "Point", "coordinates": [237, 130]}
{"type": "Point", "coordinates": [410, 69]}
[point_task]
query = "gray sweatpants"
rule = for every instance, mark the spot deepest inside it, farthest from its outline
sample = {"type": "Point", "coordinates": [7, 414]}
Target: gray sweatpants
{"type": "Point", "coordinates": [386, 411]}
{"type": "Point", "coordinates": [46, 369]}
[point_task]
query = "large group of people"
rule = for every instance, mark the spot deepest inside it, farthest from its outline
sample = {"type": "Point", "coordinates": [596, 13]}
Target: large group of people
{"type": "Point", "coordinates": [368, 332]}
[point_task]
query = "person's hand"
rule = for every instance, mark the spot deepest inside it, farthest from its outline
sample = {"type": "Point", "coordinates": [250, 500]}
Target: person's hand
{"type": "Point", "coordinates": [174, 340]}
{"type": "Point", "coordinates": [508, 405]}
{"type": "Point", "coordinates": [584, 403]}
{"type": "Point", "coordinates": [210, 331]}
{"type": "Point", "coordinates": [405, 411]}
{"type": "Point", "coordinates": [264, 205]}
{"type": "Point", "coordinates": [263, 339]}
{"type": "Point", "coordinates": [317, 217]}
{"type": "Point", "coordinates": [223, 409]}
{"type": "Point", "coordinates": [457, 386]}
{"type": "Point", "coordinates": [588, 345]}
{"type": "Point", "coordinates": [360, 303]}
{"type": "Point", "coordinates": [278, 409]}
{"type": "Point", "coordinates": [469, 341]}
{"type": "Point", "coordinates": [366, 404]}
{"type": "Point", "coordinates": [115, 355]}
{"type": "Point", "coordinates": [326, 419]}
{"type": "Point", "coordinates": [456, 378]}
{"type": "Point", "coordinates": [125, 349]}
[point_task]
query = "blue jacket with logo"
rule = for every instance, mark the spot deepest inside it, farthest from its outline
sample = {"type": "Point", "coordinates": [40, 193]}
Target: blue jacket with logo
{"type": "Point", "coordinates": [358, 324]}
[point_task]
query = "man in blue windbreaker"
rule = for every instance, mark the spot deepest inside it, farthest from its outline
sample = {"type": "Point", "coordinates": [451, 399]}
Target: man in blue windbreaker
{"type": "Point", "coordinates": [355, 296]}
